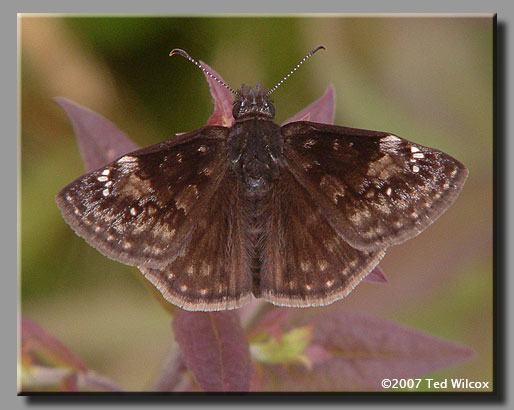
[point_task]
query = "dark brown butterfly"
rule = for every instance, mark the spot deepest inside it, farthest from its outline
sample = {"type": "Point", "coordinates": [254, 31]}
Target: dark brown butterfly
{"type": "Point", "coordinates": [297, 215]}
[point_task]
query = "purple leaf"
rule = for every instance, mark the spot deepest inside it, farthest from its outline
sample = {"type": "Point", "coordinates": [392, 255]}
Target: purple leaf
{"type": "Point", "coordinates": [354, 352]}
{"type": "Point", "coordinates": [317, 354]}
{"type": "Point", "coordinates": [215, 349]}
{"type": "Point", "coordinates": [322, 110]}
{"type": "Point", "coordinates": [249, 312]}
{"type": "Point", "coordinates": [376, 276]}
{"type": "Point", "coordinates": [93, 382]}
{"type": "Point", "coordinates": [172, 377]}
{"type": "Point", "coordinates": [48, 365]}
{"type": "Point", "coordinates": [39, 346]}
{"type": "Point", "coordinates": [100, 141]}
{"type": "Point", "coordinates": [223, 100]}
{"type": "Point", "coordinates": [271, 322]}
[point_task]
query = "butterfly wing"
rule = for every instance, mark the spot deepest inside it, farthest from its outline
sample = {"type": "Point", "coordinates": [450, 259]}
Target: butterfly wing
{"type": "Point", "coordinates": [142, 209]}
{"type": "Point", "coordinates": [305, 262]}
{"type": "Point", "coordinates": [375, 189]}
{"type": "Point", "coordinates": [212, 271]}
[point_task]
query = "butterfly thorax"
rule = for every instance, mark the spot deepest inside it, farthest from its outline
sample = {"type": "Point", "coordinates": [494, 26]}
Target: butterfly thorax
{"type": "Point", "coordinates": [255, 152]}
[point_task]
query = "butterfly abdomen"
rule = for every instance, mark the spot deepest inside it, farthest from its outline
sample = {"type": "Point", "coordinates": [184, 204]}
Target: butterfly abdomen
{"type": "Point", "coordinates": [257, 211]}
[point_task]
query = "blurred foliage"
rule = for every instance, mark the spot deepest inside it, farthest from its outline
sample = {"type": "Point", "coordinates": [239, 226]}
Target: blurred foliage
{"type": "Point", "coordinates": [426, 79]}
{"type": "Point", "coordinates": [288, 349]}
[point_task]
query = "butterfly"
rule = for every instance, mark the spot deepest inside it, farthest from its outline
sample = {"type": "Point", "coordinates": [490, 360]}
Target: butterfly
{"type": "Point", "coordinates": [296, 214]}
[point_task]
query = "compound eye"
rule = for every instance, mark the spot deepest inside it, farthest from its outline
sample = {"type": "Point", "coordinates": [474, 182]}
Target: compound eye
{"type": "Point", "coordinates": [235, 110]}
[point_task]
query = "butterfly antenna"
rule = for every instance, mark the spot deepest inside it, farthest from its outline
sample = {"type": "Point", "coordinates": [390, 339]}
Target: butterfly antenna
{"type": "Point", "coordinates": [185, 55]}
{"type": "Point", "coordinates": [296, 68]}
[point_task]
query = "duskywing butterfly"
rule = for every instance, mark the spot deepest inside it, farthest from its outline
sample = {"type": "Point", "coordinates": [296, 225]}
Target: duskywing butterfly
{"type": "Point", "coordinates": [297, 215]}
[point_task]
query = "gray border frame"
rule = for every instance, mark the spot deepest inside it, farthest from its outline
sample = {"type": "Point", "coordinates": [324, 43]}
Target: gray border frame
{"type": "Point", "coordinates": [503, 151]}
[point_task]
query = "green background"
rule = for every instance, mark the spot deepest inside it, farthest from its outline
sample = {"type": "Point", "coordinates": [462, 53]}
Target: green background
{"type": "Point", "coordinates": [428, 80]}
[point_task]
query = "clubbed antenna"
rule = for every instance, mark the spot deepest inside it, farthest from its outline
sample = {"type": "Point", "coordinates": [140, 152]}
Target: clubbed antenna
{"type": "Point", "coordinates": [296, 68]}
{"type": "Point", "coordinates": [185, 55]}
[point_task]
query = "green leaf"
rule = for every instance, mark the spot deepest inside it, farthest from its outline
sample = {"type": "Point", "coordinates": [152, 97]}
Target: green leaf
{"type": "Point", "coordinates": [289, 349]}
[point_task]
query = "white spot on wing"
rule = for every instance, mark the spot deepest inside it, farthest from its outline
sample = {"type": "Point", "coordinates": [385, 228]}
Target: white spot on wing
{"type": "Point", "coordinates": [102, 178]}
{"type": "Point", "coordinates": [106, 172]}
{"type": "Point", "coordinates": [305, 266]}
{"type": "Point", "coordinates": [389, 143]}
{"type": "Point", "coordinates": [106, 192]}
{"type": "Point", "coordinates": [309, 143]}
{"type": "Point", "coordinates": [415, 168]}
{"type": "Point", "coordinates": [391, 138]}
{"type": "Point", "coordinates": [418, 155]}
{"type": "Point", "coordinates": [205, 269]}
{"type": "Point", "coordinates": [414, 149]}
{"type": "Point", "coordinates": [151, 209]}
{"type": "Point", "coordinates": [126, 159]}
{"type": "Point", "coordinates": [128, 164]}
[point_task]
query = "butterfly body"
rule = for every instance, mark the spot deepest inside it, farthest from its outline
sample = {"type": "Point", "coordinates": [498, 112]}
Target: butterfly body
{"type": "Point", "coordinates": [255, 152]}
{"type": "Point", "coordinates": [297, 215]}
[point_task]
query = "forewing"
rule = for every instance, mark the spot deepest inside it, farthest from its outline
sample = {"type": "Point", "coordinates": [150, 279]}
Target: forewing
{"type": "Point", "coordinates": [305, 262]}
{"type": "Point", "coordinates": [212, 271]}
{"type": "Point", "coordinates": [375, 189]}
{"type": "Point", "coordinates": [142, 208]}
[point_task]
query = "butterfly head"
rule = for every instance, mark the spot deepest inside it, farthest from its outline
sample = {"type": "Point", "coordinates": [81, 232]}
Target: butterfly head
{"type": "Point", "coordinates": [253, 102]}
